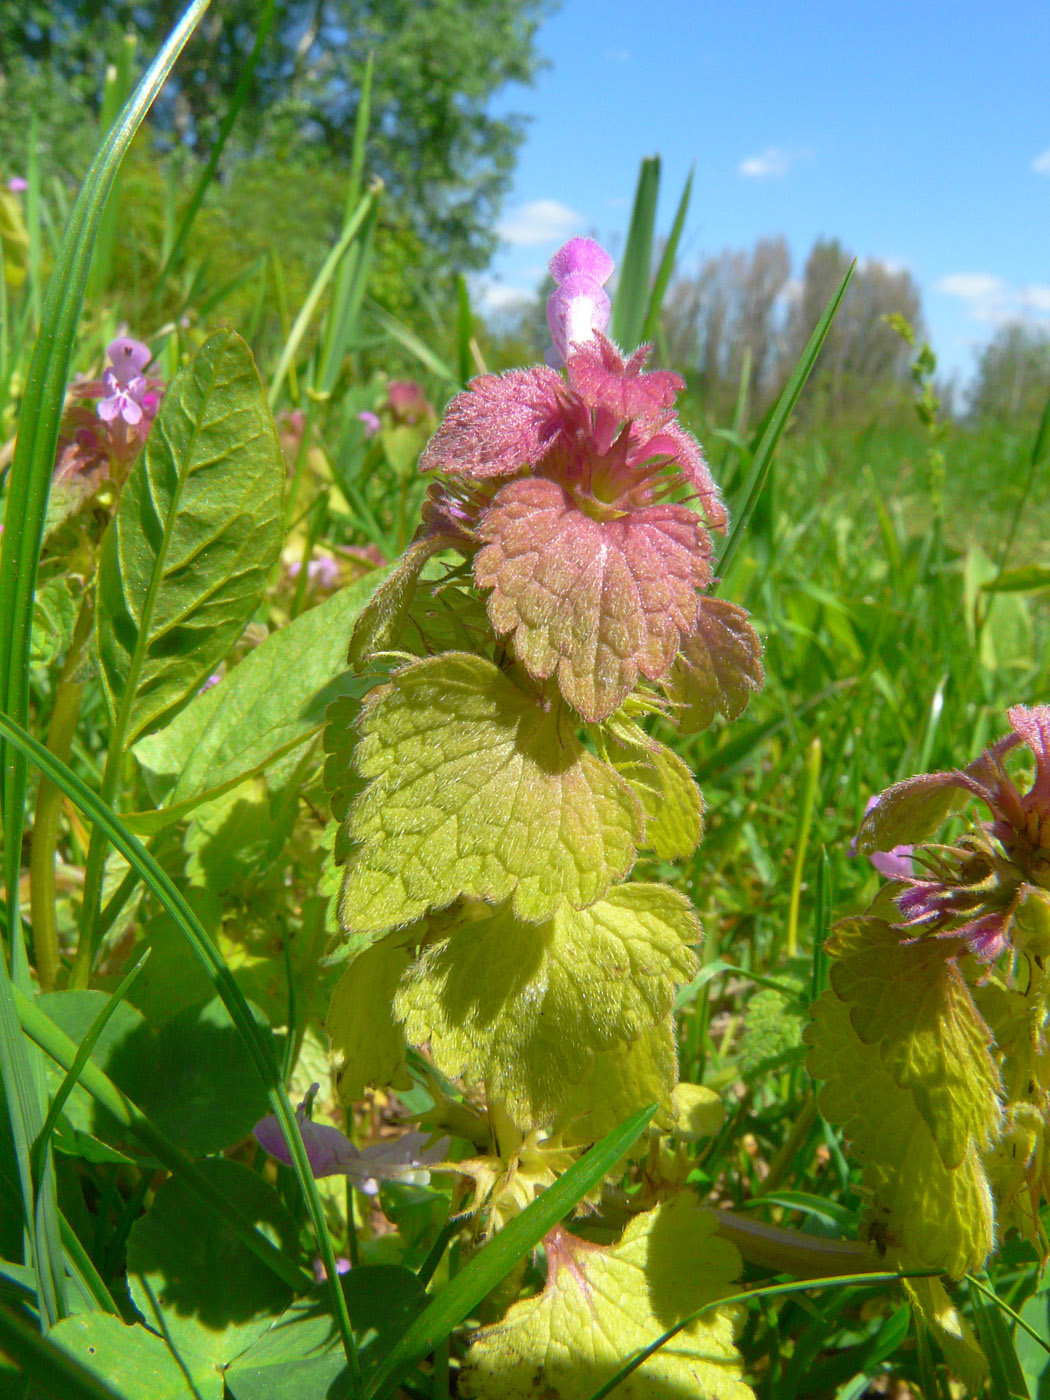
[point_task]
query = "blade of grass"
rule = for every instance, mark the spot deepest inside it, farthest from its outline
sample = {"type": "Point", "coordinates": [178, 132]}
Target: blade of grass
{"type": "Point", "coordinates": [666, 267]}
{"type": "Point", "coordinates": [28, 490]}
{"type": "Point", "coordinates": [412, 343]}
{"type": "Point", "coordinates": [632, 286]}
{"type": "Point", "coordinates": [352, 277]}
{"type": "Point", "coordinates": [83, 1054]}
{"type": "Point", "coordinates": [1006, 1377]}
{"type": "Point", "coordinates": [773, 430]}
{"type": "Point", "coordinates": [222, 980]}
{"type": "Point", "coordinates": [42, 405]}
{"type": "Point", "coordinates": [314, 295]}
{"type": "Point", "coordinates": [492, 1263]}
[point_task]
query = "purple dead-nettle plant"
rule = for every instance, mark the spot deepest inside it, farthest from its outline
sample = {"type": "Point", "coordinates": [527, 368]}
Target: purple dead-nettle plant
{"type": "Point", "coordinates": [972, 887]}
{"type": "Point", "coordinates": [96, 443]}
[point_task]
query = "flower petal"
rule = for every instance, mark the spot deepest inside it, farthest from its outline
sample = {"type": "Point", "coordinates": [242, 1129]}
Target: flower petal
{"type": "Point", "coordinates": [127, 357]}
{"type": "Point", "coordinates": [575, 310]}
{"type": "Point", "coordinates": [499, 425]}
{"type": "Point", "coordinates": [581, 255]}
{"type": "Point", "coordinates": [596, 601]}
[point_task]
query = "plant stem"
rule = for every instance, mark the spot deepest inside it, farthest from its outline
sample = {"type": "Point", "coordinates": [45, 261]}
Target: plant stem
{"type": "Point", "coordinates": [792, 1252]}
{"type": "Point", "coordinates": [805, 819]}
{"type": "Point", "coordinates": [49, 806]}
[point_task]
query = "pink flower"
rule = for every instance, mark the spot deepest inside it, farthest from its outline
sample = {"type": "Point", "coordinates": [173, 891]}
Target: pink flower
{"type": "Point", "coordinates": [579, 305]}
{"type": "Point", "coordinates": [371, 422]}
{"type": "Point", "coordinates": [17, 185]}
{"type": "Point", "coordinates": [129, 399]}
{"type": "Point", "coordinates": [593, 571]}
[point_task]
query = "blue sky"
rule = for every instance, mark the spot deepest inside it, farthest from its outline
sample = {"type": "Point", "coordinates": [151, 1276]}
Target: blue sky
{"type": "Point", "coordinates": [916, 134]}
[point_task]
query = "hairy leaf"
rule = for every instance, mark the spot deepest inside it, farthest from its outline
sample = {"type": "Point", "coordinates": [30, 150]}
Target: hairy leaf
{"type": "Point", "coordinates": [937, 1215]}
{"type": "Point", "coordinates": [910, 999]}
{"type": "Point", "coordinates": [381, 621]}
{"type": "Point", "coordinates": [272, 701]}
{"type": "Point", "coordinates": [618, 1082]}
{"type": "Point", "coordinates": [670, 798]}
{"type": "Point", "coordinates": [478, 786]}
{"type": "Point", "coordinates": [719, 667]}
{"type": "Point", "coordinates": [368, 1046]}
{"type": "Point", "coordinates": [198, 528]}
{"type": "Point", "coordinates": [594, 602]}
{"type": "Point", "coordinates": [522, 1007]}
{"type": "Point", "coordinates": [54, 617]}
{"type": "Point", "coordinates": [930, 1299]}
{"type": "Point", "coordinates": [602, 1304]}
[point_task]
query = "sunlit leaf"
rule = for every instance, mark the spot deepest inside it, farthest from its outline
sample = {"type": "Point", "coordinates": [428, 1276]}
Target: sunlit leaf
{"type": "Point", "coordinates": [522, 1008]}
{"type": "Point", "coordinates": [602, 1304]}
{"type": "Point", "coordinates": [477, 786]}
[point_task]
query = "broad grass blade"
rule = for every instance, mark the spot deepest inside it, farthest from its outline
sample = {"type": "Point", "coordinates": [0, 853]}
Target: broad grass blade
{"type": "Point", "coordinates": [632, 288]}
{"type": "Point", "coordinates": [28, 489]}
{"type": "Point", "coordinates": [664, 271]}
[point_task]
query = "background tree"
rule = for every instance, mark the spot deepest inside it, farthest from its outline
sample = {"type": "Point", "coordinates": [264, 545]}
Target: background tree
{"type": "Point", "coordinates": [444, 157]}
{"type": "Point", "coordinates": [1013, 374]}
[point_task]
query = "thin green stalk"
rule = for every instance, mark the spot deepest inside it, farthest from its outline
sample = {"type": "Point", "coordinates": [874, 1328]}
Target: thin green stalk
{"type": "Point", "coordinates": [805, 821]}
{"type": "Point", "coordinates": [785, 1155]}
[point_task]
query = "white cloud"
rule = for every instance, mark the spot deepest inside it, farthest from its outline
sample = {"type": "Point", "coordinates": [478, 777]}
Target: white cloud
{"type": "Point", "coordinates": [992, 301]}
{"type": "Point", "coordinates": [1041, 164]}
{"type": "Point", "coordinates": [971, 286]}
{"type": "Point", "coordinates": [541, 221]}
{"type": "Point", "coordinates": [495, 297]}
{"type": "Point", "coordinates": [618, 55]}
{"type": "Point", "coordinates": [772, 161]}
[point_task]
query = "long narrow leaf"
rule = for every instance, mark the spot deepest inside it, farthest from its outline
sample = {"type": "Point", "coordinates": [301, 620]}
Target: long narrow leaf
{"type": "Point", "coordinates": [412, 343]}
{"type": "Point", "coordinates": [237, 100]}
{"type": "Point", "coordinates": [83, 1054]}
{"type": "Point", "coordinates": [28, 490]}
{"type": "Point", "coordinates": [221, 978]}
{"type": "Point", "coordinates": [772, 1291]}
{"type": "Point", "coordinates": [492, 1264]}
{"type": "Point", "coordinates": [632, 286]}
{"type": "Point", "coordinates": [775, 426]}
{"type": "Point", "coordinates": [667, 257]}
{"type": "Point", "coordinates": [302, 321]}
{"type": "Point", "coordinates": [39, 423]}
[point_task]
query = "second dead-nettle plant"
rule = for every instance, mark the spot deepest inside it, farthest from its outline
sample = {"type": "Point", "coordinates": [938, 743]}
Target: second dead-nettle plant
{"type": "Point", "coordinates": [493, 793]}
